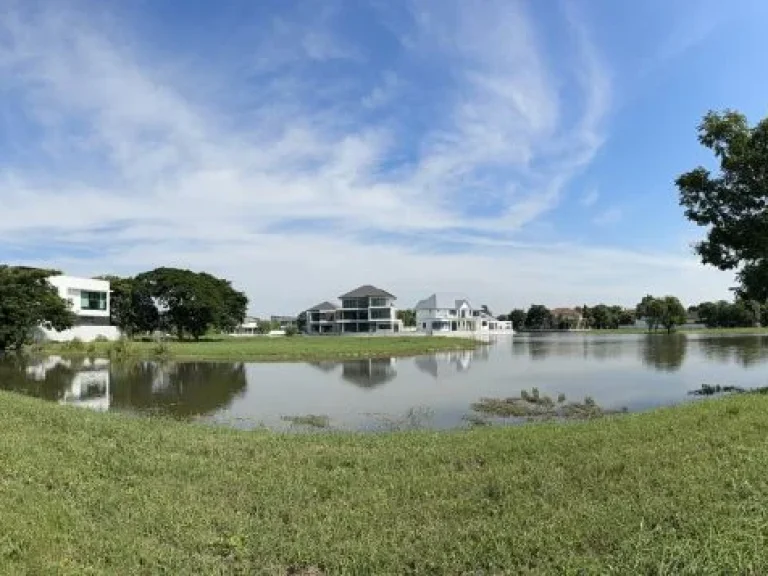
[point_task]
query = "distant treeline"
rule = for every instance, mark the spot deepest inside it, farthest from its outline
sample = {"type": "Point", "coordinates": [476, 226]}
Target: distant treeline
{"type": "Point", "coordinates": [663, 312]}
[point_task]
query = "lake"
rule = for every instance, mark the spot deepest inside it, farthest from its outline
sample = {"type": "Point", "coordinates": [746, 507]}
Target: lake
{"type": "Point", "coordinates": [636, 372]}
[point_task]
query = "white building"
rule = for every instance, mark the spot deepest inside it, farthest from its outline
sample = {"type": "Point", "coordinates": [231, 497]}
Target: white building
{"type": "Point", "coordinates": [454, 313]}
{"type": "Point", "coordinates": [89, 300]}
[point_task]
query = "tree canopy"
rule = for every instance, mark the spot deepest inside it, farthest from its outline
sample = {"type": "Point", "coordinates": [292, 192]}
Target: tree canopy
{"type": "Point", "coordinates": [28, 300]}
{"type": "Point", "coordinates": [732, 203]}
{"type": "Point", "coordinates": [184, 301]}
{"type": "Point", "coordinates": [538, 317]}
{"type": "Point", "coordinates": [668, 312]}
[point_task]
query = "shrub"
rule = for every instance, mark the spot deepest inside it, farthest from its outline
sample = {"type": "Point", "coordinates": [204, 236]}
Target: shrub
{"type": "Point", "coordinates": [74, 345]}
{"type": "Point", "coordinates": [91, 350]}
{"type": "Point", "coordinates": [291, 331]}
{"type": "Point", "coordinates": [101, 338]}
{"type": "Point", "coordinates": [161, 349]}
{"type": "Point", "coordinates": [121, 349]}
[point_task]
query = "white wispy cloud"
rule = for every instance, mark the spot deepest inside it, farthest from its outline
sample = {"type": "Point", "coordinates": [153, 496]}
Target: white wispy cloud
{"type": "Point", "coordinates": [299, 200]}
{"type": "Point", "coordinates": [609, 216]}
{"type": "Point", "coordinates": [590, 197]}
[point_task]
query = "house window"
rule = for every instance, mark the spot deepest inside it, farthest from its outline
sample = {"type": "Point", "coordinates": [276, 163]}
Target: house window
{"type": "Point", "coordinates": [424, 325]}
{"type": "Point", "coordinates": [378, 301]}
{"type": "Point", "coordinates": [93, 300]}
{"type": "Point", "coordinates": [453, 312]}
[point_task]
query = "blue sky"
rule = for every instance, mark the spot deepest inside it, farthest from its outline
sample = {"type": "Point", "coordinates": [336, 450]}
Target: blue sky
{"type": "Point", "coordinates": [520, 152]}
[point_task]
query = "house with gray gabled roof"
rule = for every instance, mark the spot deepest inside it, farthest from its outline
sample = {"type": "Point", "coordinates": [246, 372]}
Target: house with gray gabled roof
{"type": "Point", "coordinates": [367, 309]}
{"type": "Point", "coordinates": [364, 310]}
{"type": "Point", "coordinates": [443, 313]}
{"type": "Point", "coordinates": [321, 318]}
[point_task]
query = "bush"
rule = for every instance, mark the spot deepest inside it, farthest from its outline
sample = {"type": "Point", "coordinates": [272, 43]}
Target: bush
{"type": "Point", "coordinates": [121, 349]}
{"type": "Point", "coordinates": [161, 349]}
{"type": "Point", "coordinates": [74, 345]}
{"type": "Point", "coordinates": [101, 338]}
{"type": "Point", "coordinates": [291, 331]}
{"type": "Point", "coordinates": [91, 350]}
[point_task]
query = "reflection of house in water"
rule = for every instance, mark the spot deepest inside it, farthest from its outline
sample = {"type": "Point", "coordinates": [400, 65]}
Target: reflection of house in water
{"type": "Point", "coordinates": [369, 373]}
{"type": "Point", "coordinates": [89, 384]}
{"type": "Point", "coordinates": [445, 362]}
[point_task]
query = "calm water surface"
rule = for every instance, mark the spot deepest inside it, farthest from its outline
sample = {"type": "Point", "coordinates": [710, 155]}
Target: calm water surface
{"type": "Point", "coordinates": [633, 371]}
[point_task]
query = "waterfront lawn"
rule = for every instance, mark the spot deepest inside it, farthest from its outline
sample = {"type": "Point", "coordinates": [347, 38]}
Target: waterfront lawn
{"type": "Point", "coordinates": [676, 491]}
{"type": "Point", "coordinates": [281, 348]}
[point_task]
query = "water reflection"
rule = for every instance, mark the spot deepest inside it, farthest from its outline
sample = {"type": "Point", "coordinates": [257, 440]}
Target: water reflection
{"type": "Point", "coordinates": [743, 350]}
{"type": "Point", "coordinates": [176, 389]}
{"type": "Point", "coordinates": [637, 371]}
{"type": "Point", "coordinates": [369, 373]}
{"type": "Point", "coordinates": [179, 389]}
{"type": "Point", "coordinates": [664, 352]}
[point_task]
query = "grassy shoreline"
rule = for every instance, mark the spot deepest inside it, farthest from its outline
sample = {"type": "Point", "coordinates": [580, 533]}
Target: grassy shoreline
{"type": "Point", "coordinates": [278, 349]}
{"type": "Point", "coordinates": [674, 491]}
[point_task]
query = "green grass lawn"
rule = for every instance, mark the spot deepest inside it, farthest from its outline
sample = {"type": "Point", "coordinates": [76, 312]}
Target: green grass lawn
{"type": "Point", "coordinates": [263, 348]}
{"type": "Point", "coordinates": [676, 491]}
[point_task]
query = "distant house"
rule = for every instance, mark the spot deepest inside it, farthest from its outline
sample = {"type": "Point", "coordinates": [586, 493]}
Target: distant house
{"type": "Point", "coordinates": [89, 299]}
{"type": "Point", "coordinates": [365, 310]}
{"type": "Point", "coordinates": [568, 318]}
{"type": "Point", "coordinates": [446, 313]}
{"type": "Point", "coordinates": [249, 327]}
{"type": "Point", "coordinates": [284, 322]}
{"type": "Point", "coordinates": [321, 318]}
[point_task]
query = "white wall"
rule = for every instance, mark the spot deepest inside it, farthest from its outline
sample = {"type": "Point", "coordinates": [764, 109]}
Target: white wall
{"type": "Point", "coordinates": [84, 333]}
{"type": "Point", "coordinates": [70, 287]}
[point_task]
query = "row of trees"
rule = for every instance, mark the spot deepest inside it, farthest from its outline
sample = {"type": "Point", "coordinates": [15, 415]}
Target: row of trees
{"type": "Point", "coordinates": [175, 300]}
{"type": "Point", "coordinates": [540, 317]}
{"type": "Point", "coordinates": [169, 299]}
{"type": "Point", "coordinates": [738, 314]}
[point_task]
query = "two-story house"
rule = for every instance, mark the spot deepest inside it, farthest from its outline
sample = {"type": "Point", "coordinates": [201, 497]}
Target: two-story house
{"type": "Point", "coordinates": [89, 299]}
{"type": "Point", "coordinates": [446, 313]}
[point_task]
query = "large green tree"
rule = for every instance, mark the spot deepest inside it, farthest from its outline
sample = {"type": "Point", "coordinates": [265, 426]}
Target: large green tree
{"type": "Point", "coordinates": [517, 316]}
{"type": "Point", "coordinates": [407, 316]}
{"type": "Point", "coordinates": [732, 202]}
{"type": "Point", "coordinates": [673, 313]}
{"type": "Point", "coordinates": [192, 303]}
{"type": "Point", "coordinates": [538, 317]}
{"type": "Point", "coordinates": [28, 300]}
{"type": "Point", "coordinates": [131, 306]}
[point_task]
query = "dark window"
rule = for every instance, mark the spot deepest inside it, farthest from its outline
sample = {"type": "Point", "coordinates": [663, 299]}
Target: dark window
{"type": "Point", "coordinates": [93, 300]}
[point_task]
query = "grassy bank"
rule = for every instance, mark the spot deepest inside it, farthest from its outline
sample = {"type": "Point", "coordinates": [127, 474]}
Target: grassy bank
{"type": "Point", "coordinates": [677, 491]}
{"type": "Point", "coordinates": [266, 349]}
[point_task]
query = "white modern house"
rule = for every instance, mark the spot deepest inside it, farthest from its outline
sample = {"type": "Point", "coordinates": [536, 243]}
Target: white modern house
{"type": "Point", "coordinates": [445, 313]}
{"type": "Point", "coordinates": [89, 300]}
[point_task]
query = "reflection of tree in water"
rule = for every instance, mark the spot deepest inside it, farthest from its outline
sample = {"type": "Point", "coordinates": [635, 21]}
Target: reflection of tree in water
{"type": "Point", "coordinates": [664, 352]}
{"type": "Point", "coordinates": [369, 373]}
{"type": "Point", "coordinates": [177, 389]}
{"type": "Point", "coordinates": [48, 379]}
{"type": "Point", "coordinates": [744, 350]}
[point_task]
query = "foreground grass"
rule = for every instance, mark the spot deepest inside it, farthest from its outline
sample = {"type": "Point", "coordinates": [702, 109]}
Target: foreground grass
{"type": "Point", "coordinates": [677, 491]}
{"type": "Point", "coordinates": [273, 349]}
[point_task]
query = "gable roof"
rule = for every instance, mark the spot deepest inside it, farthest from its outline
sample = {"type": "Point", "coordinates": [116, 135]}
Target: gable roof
{"type": "Point", "coordinates": [367, 290]}
{"type": "Point", "coordinates": [323, 306]}
{"type": "Point", "coordinates": [443, 301]}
